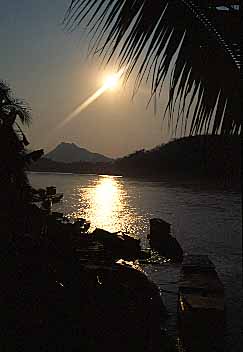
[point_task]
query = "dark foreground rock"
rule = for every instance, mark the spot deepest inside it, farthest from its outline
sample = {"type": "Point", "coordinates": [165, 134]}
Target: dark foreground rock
{"type": "Point", "coordinates": [64, 289]}
{"type": "Point", "coordinates": [69, 237]}
{"type": "Point", "coordinates": [117, 245]}
{"type": "Point", "coordinates": [80, 308]}
{"type": "Point", "coordinates": [161, 240]}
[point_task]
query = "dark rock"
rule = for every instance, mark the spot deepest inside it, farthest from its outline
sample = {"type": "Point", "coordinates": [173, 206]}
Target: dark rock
{"type": "Point", "coordinates": [87, 308]}
{"type": "Point", "coordinates": [120, 305]}
{"type": "Point", "coordinates": [53, 301]}
{"type": "Point", "coordinates": [118, 244]}
{"type": "Point", "coordinates": [82, 225]}
{"type": "Point", "coordinates": [158, 228]}
{"type": "Point", "coordinates": [161, 240]}
{"type": "Point", "coordinates": [51, 191]}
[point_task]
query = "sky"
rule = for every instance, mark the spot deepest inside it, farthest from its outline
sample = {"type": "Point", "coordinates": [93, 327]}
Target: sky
{"type": "Point", "coordinates": [48, 67]}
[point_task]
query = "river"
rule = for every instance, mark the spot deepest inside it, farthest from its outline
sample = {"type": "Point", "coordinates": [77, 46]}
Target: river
{"type": "Point", "coordinates": [205, 220]}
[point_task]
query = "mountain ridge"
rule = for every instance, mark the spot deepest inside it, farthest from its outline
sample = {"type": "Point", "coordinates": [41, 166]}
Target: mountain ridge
{"type": "Point", "coordinates": [209, 157]}
{"type": "Point", "coordinates": [70, 152]}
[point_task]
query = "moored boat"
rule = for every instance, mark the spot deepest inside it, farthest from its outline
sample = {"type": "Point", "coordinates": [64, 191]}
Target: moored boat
{"type": "Point", "coordinates": [201, 309]}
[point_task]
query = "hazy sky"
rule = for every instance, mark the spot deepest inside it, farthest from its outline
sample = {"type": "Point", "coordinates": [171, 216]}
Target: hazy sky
{"type": "Point", "coordinates": [48, 67]}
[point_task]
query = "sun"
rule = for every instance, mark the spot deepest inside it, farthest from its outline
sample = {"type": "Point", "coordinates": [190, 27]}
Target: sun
{"type": "Point", "coordinates": [112, 81]}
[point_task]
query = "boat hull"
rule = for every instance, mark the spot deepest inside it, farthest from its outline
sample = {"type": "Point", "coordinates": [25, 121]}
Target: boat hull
{"type": "Point", "coordinates": [201, 307]}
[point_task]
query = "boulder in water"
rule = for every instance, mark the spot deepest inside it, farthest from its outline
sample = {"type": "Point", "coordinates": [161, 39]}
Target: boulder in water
{"type": "Point", "coordinates": [161, 240]}
{"type": "Point", "coordinates": [118, 244]}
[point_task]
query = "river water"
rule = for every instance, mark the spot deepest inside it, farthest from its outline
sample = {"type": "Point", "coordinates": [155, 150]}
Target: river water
{"type": "Point", "coordinates": [205, 220]}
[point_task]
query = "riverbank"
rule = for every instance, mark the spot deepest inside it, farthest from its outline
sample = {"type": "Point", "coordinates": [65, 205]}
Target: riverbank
{"type": "Point", "coordinates": [69, 289]}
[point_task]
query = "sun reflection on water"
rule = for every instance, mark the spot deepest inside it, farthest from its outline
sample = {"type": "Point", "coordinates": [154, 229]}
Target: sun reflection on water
{"type": "Point", "coordinates": [103, 203]}
{"type": "Point", "coordinates": [107, 203]}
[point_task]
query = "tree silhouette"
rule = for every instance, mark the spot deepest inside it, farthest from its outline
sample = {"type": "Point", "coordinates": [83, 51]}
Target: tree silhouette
{"type": "Point", "coordinates": [15, 191]}
{"type": "Point", "coordinates": [195, 42]}
{"type": "Point", "coordinates": [14, 182]}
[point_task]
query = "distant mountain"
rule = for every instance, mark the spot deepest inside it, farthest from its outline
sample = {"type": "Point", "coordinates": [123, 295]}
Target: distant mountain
{"type": "Point", "coordinates": [70, 152]}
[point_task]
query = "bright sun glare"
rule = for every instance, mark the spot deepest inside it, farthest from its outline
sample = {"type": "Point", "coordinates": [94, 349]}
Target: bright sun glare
{"type": "Point", "coordinates": [112, 81]}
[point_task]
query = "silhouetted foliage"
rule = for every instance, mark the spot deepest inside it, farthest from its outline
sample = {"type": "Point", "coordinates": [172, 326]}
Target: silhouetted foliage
{"type": "Point", "coordinates": [14, 184]}
{"type": "Point", "coordinates": [15, 191]}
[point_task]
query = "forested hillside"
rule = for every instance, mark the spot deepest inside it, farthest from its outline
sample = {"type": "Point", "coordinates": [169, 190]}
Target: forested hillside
{"type": "Point", "coordinates": [197, 156]}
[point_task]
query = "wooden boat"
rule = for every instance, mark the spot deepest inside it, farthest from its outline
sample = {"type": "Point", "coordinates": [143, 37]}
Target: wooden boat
{"type": "Point", "coordinates": [201, 309]}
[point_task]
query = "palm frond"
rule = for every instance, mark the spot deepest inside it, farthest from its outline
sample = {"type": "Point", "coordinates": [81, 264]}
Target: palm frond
{"type": "Point", "coordinates": [9, 104]}
{"type": "Point", "coordinates": [147, 36]}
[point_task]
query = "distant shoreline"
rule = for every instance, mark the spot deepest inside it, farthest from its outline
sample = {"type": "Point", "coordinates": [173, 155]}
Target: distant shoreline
{"type": "Point", "coordinates": [202, 159]}
{"type": "Point", "coordinates": [70, 173]}
{"type": "Point", "coordinates": [50, 172]}
{"type": "Point", "coordinates": [197, 182]}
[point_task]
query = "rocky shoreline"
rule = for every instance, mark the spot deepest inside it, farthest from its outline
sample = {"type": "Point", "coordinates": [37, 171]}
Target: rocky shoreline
{"type": "Point", "coordinates": [68, 289]}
